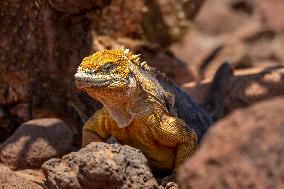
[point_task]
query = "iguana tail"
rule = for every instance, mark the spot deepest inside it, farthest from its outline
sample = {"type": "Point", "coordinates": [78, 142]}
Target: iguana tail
{"type": "Point", "coordinates": [214, 101]}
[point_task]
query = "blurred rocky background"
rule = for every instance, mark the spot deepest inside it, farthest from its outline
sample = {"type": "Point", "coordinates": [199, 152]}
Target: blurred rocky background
{"type": "Point", "coordinates": [41, 112]}
{"type": "Point", "coordinates": [43, 42]}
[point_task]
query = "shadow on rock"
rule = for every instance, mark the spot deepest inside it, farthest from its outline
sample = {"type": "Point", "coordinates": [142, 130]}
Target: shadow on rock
{"type": "Point", "coordinates": [243, 89]}
{"type": "Point", "coordinates": [36, 141]}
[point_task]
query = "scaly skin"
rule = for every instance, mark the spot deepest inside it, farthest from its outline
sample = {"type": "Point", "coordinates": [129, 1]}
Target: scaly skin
{"type": "Point", "coordinates": [137, 111]}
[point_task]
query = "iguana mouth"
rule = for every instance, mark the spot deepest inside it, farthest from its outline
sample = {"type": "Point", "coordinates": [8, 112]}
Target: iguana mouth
{"type": "Point", "coordinates": [84, 80]}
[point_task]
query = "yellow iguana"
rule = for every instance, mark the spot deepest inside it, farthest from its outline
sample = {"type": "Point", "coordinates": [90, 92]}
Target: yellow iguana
{"type": "Point", "coordinates": [142, 108]}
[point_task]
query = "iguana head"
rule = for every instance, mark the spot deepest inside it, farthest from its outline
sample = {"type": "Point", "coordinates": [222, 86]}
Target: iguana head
{"type": "Point", "coordinates": [120, 82]}
{"type": "Point", "coordinates": [107, 72]}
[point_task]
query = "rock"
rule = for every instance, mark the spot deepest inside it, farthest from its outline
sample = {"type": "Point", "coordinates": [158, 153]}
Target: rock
{"type": "Point", "coordinates": [159, 22]}
{"type": "Point", "coordinates": [235, 53]}
{"type": "Point", "coordinates": [34, 175]}
{"type": "Point", "coordinates": [225, 16]}
{"type": "Point", "coordinates": [100, 165]}
{"type": "Point", "coordinates": [168, 182]}
{"type": "Point", "coordinates": [244, 88]}
{"type": "Point", "coordinates": [273, 12]}
{"type": "Point", "coordinates": [165, 21]}
{"type": "Point", "coordinates": [36, 141]}
{"type": "Point", "coordinates": [11, 180]}
{"type": "Point", "coordinates": [37, 59]}
{"type": "Point", "coordinates": [244, 150]}
{"type": "Point", "coordinates": [247, 33]}
{"type": "Point", "coordinates": [196, 47]}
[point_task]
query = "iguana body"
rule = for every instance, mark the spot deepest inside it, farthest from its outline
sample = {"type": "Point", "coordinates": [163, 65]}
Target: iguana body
{"type": "Point", "coordinates": [141, 108]}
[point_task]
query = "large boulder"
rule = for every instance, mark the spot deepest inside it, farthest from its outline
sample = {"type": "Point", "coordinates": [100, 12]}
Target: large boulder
{"type": "Point", "coordinates": [244, 150]}
{"type": "Point", "coordinates": [100, 165]}
{"type": "Point", "coordinates": [36, 141]}
{"type": "Point", "coordinates": [10, 180]}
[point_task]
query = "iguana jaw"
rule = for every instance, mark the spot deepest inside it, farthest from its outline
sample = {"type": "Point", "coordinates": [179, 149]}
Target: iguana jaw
{"type": "Point", "coordinates": [85, 80]}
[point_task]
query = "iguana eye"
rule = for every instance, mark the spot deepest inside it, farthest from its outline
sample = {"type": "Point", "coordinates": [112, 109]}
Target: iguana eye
{"type": "Point", "coordinates": [88, 71]}
{"type": "Point", "coordinates": [107, 67]}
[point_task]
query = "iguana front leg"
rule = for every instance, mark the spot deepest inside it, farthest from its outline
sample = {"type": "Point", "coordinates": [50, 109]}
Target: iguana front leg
{"type": "Point", "coordinates": [174, 132]}
{"type": "Point", "coordinates": [94, 130]}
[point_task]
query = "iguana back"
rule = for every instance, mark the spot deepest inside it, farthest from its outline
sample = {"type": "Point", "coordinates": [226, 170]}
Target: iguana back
{"type": "Point", "coordinates": [186, 109]}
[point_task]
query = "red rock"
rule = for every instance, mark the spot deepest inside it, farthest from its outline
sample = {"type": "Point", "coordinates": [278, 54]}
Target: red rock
{"type": "Point", "coordinates": [243, 150]}
{"type": "Point", "coordinates": [36, 141]}
{"type": "Point", "coordinates": [223, 16]}
{"type": "Point", "coordinates": [273, 13]}
{"type": "Point", "coordinates": [246, 87]}
{"type": "Point", "coordinates": [11, 180]}
{"type": "Point", "coordinates": [195, 48]}
{"type": "Point", "coordinates": [100, 165]}
{"type": "Point", "coordinates": [247, 33]}
{"type": "Point", "coordinates": [34, 175]}
{"type": "Point", "coordinates": [236, 53]}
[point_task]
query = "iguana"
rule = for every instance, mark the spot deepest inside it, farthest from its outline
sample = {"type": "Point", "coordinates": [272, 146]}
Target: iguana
{"type": "Point", "coordinates": [142, 108]}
